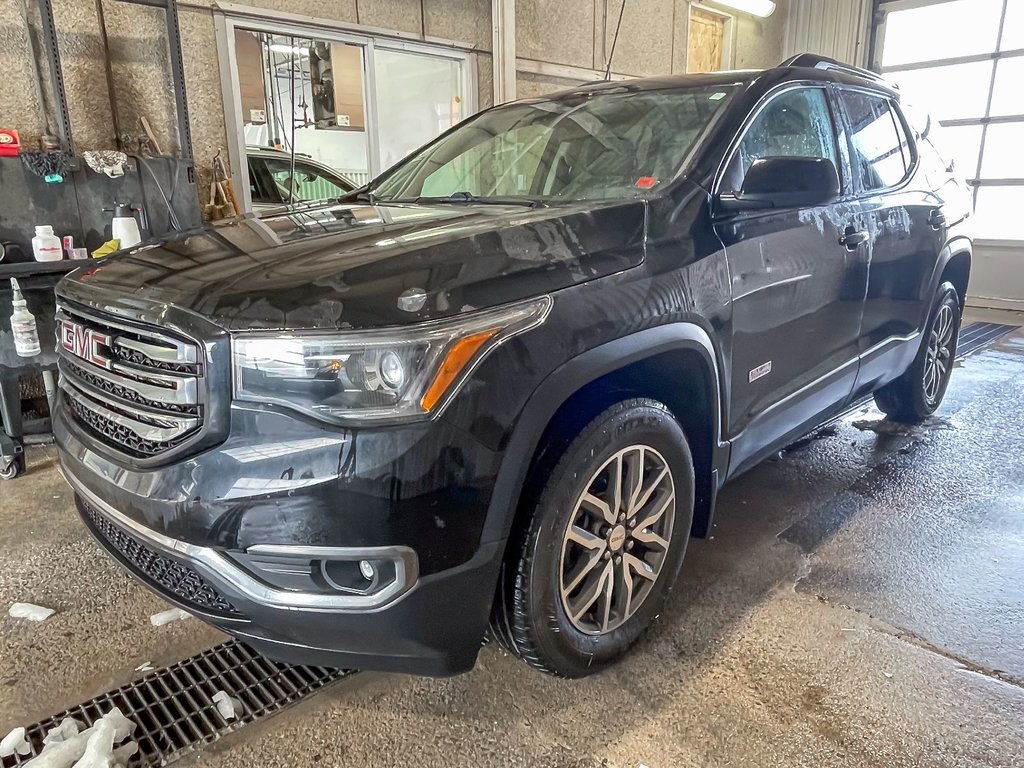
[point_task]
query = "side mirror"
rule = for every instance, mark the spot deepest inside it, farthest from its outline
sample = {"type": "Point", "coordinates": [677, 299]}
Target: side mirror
{"type": "Point", "coordinates": [784, 182]}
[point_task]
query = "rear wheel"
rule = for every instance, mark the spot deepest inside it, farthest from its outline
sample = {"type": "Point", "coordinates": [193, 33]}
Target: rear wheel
{"type": "Point", "coordinates": [918, 393]}
{"type": "Point", "coordinates": [604, 545]}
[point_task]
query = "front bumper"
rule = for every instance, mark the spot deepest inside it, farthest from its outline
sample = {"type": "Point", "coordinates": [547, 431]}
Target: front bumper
{"type": "Point", "coordinates": [183, 539]}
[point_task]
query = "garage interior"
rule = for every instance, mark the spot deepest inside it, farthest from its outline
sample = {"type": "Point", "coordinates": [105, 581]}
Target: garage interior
{"type": "Point", "coordinates": [860, 601]}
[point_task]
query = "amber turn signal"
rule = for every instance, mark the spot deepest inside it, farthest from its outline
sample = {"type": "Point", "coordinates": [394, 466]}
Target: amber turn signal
{"type": "Point", "coordinates": [458, 356]}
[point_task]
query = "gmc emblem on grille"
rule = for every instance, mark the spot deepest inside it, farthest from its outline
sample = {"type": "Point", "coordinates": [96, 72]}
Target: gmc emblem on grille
{"type": "Point", "coordinates": [85, 343]}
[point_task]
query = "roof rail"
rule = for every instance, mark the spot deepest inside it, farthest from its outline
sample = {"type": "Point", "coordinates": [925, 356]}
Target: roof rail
{"type": "Point", "coordinates": [814, 61]}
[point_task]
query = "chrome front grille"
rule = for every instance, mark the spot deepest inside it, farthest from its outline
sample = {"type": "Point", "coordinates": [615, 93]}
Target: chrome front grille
{"type": "Point", "coordinates": [137, 390]}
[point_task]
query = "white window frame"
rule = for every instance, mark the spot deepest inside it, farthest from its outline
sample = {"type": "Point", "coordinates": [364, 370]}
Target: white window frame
{"type": "Point", "coordinates": [729, 35]}
{"type": "Point", "coordinates": [229, 17]}
{"type": "Point", "coordinates": [975, 179]}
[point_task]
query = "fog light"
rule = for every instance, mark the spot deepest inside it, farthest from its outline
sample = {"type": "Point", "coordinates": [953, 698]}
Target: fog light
{"type": "Point", "coordinates": [366, 568]}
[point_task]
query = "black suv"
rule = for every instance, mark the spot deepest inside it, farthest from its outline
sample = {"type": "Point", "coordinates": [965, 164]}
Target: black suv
{"type": "Point", "coordinates": [501, 385]}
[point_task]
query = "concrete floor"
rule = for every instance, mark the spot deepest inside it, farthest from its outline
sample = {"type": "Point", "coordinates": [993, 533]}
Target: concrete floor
{"type": "Point", "coordinates": [859, 605]}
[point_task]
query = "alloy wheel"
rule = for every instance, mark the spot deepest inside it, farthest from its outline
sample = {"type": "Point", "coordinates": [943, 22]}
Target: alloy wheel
{"type": "Point", "coordinates": [617, 540]}
{"type": "Point", "coordinates": [939, 358]}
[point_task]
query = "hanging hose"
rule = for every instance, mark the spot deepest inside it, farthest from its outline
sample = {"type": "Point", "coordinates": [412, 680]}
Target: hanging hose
{"type": "Point", "coordinates": [615, 40]}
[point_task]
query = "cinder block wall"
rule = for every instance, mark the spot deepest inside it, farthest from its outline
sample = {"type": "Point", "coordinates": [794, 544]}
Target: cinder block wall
{"type": "Point", "coordinates": [652, 41]}
{"type": "Point", "coordinates": [652, 38]}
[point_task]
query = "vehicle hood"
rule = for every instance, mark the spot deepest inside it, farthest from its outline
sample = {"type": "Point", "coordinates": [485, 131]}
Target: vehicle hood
{"type": "Point", "coordinates": [362, 266]}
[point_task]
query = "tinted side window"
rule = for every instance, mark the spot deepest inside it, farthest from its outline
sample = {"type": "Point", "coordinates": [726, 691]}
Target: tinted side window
{"type": "Point", "coordinates": [881, 147]}
{"type": "Point", "coordinates": [258, 190]}
{"type": "Point", "coordinates": [309, 182]}
{"type": "Point", "coordinates": [795, 124]}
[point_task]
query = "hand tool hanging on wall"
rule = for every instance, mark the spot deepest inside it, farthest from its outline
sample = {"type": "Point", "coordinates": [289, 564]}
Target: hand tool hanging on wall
{"type": "Point", "coordinates": [223, 180]}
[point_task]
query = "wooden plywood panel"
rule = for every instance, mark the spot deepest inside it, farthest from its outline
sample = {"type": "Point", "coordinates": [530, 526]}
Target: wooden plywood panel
{"type": "Point", "coordinates": [706, 43]}
{"type": "Point", "coordinates": [250, 74]}
{"type": "Point", "coordinates": [347, 71]}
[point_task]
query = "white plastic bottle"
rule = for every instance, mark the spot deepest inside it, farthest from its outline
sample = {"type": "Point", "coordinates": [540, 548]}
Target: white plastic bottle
{"type": "Point", "coordinates": [23, 325]}
{"type": "Point", "coordinates": [125, 227]}
{"type": "Point", "coordinates": [46, 246]}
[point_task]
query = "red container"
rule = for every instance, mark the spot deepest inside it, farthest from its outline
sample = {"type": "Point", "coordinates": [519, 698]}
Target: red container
{"type": "Point", "coordinates": [10, 144]}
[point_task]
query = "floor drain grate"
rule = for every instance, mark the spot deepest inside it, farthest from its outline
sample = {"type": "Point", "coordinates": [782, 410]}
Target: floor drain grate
{"type": "Point", "coordinates": [977, 335]}
{"type": "Point", "coordinates": [174, 706]}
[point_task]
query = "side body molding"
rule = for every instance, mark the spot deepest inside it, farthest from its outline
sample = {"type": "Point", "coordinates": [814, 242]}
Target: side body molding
{"type": "Point", "coordinates": [583, 369]}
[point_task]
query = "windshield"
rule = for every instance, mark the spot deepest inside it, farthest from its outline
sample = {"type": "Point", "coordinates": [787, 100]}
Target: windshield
{"type": "Point", "coordinates": [605, 145]}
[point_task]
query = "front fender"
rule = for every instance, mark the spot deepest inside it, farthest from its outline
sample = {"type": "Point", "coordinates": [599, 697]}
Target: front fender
{"type": "Point", "coordinates": [568, 379]}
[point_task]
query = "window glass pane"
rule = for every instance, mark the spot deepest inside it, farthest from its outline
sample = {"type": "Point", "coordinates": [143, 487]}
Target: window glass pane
{"type": "Point", "coordinates": [901, 130]}
{"type": "Point", "coordinates": [876, 142]}
{"type": "Point", "coordinates": [942, 31]}
{"type": "Point", "coordinates": [309, 182]}
{"type": "Point", "coordinates": [1008, 98]}
{"type": "Point", "coordinates": [997, 215]}
{"type": "Point", "coordinates": [1003, 156]}
{"type": "Point", "coordinates": [418, 97]}
{"type": "Point", "coordinates": [305, 89]}
{"type": "Point", "coordinates": [1013, 29]}
{"type": "Point", "coordinates": [961, 144]}
{"type": "Point", "coordinates": [948, 93]}
{"type": "Point", "coordinates": [796, 124]}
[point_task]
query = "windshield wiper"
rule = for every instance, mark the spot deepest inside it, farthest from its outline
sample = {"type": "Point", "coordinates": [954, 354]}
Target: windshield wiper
{"type": "Point", "coordinates": [469, 197]}
{"type": "Point", "coordinates": [361, 195]}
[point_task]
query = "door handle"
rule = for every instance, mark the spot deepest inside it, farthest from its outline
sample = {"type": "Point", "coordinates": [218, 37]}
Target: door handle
{"type": "Point", "coordinates": [936, 219]}
{"type": "Point", "coordinates": [852, 238]}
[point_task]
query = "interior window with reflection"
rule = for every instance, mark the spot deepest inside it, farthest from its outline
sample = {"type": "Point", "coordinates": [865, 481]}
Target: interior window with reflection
{"type": "Point", "coordinates": [879, 142]}
{"type": "Point", "coordinates": [794, 124]}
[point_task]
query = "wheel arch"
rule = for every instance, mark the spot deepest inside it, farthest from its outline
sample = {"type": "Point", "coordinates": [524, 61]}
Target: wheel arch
{"type": "Point", "coordinates": [953, 264]}
{"type": "Point", "coordinates": [683, 356]}
{"type": "Point", "coordinates": [957, 270]}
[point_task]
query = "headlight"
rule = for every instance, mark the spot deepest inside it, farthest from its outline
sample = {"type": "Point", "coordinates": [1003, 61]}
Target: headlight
{"type": "Point", "coordinates": [393, 374]}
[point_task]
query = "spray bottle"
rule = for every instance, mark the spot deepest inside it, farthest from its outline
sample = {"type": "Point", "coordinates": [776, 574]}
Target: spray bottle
{"type": "Point", "coordinates": [124, 226]}
{"type": "Point", "coordinates": [23, 325]}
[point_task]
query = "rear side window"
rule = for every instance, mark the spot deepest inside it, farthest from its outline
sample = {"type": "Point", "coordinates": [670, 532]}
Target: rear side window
{"type": "Point", "coordinates": [882, 151]}
{"type": "Point", "coordinates": [796, 123]}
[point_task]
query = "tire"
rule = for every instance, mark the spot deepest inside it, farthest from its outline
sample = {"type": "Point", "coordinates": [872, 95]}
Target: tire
{"type": "Point", "coordinates": [543, 611]}
{"type": "Point", "coordinates": [916, 394]}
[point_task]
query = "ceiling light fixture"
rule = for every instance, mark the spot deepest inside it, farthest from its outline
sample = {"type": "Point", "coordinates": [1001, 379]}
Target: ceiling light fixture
{"type": "Point", "coordinates": [293, 50]}
{"type": "Point", "coordinates": [762, 8]}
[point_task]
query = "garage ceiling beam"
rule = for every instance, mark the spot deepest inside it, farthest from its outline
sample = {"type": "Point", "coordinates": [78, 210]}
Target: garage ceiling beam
{"type": "Point", "coordinates": [503, 25]}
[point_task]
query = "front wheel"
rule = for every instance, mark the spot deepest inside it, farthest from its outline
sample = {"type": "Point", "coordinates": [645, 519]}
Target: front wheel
{"type": "Point", "coordinates": [916, 394]}
{"type": "Point", "coordinates": [604, 545]}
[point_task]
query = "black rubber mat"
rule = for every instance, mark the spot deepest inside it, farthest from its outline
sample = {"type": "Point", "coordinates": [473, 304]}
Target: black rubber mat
{"type": "Point", "coordinates": [974, 336]}
{"type": "Point", "coordinates": [173, 707]}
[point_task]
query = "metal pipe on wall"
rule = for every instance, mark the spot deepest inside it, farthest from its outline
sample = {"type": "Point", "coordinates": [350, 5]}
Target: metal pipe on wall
{"type": "Point", "coordinates": [503, 27]}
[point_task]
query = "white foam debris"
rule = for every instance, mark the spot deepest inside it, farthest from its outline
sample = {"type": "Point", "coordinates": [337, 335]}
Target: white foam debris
{"type": "Point", "coordinates": [228, 707]}
{"type": "Point", "coordinates": [166, 617]}
{"type": "Point", "coordinates": [30, 611]}
{"type": "Point", "coordinates": [92, 748]}
{"type": "Point", "coordinates": [15, 741]}
{"type": "Point", "coordinates": [68, 727]}
{"type": "Point", "coordinates": [124, 753]}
